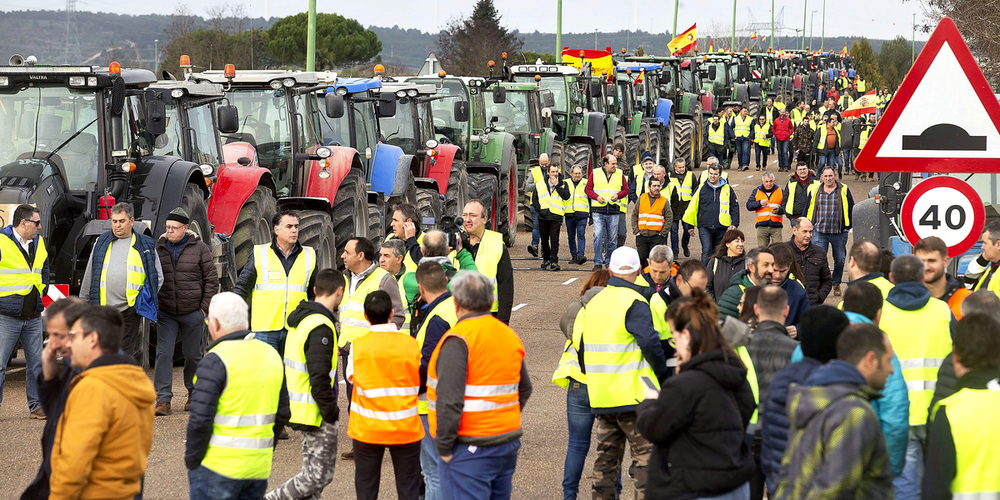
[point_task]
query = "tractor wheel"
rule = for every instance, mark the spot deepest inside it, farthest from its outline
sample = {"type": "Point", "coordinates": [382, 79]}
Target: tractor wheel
{"type": "Point", "coordinates": [429, 204]}
{"type": "Point", "coordinates": [408, 196]}
{"type": "Point", "coordinates": [556, 157]}
{"type": "Point", "coordinates": [632, 148]}
{"type": "Point", "coordinates": [350, 209]}
{"type": "Point", "coordinates": [376, 225]}
{"type": "Point", "coordinates": [316, 230]}
{"type": "Point", "coordinates": [753, 107]}
{"type": "Point", "coordinates": [457, 194]}
{"type": "Point", "coordinates": [507, 202]}
{"type": "Point", "coordinates": [579, 154]}
{"type": "Point", "coordinates": [683, 136]}
{"type": "Point", "coordinates": [667, 141]}
{"type": "Point", "coordinates": [654, 144]}
{"type": "Point", "coordinates": [194, 203]}
{"type": "Point", "coordinates": [705, 120]}
{"type": "Point", "coordinates": [865, 219]}
{"type": "Point", "coordinates": [644, 139]}
{"type": "Point", "coordinates": [694, 160]}
{"type": "Point", "coordinates": [619, 139]}
{"type": "Point", "coordinates": [485, 188]}
{"type": "Point", "coordinates": [253, 225]}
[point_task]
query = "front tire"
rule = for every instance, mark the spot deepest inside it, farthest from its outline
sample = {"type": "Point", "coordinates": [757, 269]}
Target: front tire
{"type": "Point", "coordinates": [316, 230]}
{"type": "Point", "coordinates": [485, 188]}
{"type": "Point", "coordinates": [350, 209]}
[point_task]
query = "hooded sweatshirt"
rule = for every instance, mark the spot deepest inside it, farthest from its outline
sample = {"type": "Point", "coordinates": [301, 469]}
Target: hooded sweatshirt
{"type": "Point", "coordinates": [320, 361]}
{"type": "Point", "coordinates": [105, 433]}
{"type": "Point", "coordinates": [836, 448]}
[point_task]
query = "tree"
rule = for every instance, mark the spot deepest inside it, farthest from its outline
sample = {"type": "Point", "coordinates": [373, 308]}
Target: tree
{"type": "Point", "coordinates": [866, 63]}
{"type": "Point", "coordinates": [339, 41]}
{"type": "Point", "coordinates": [531, 57]}
{"type": "Point", "coordinates": [894, 61]}
{"type": "Point", "coordinates": [978, 21]}
{"type": "Point", "coordinates": [211, 49]}
{"type": "Point", "coordinates": [466, 45]}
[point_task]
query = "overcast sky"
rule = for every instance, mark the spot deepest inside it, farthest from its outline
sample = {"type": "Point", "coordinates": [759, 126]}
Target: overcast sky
{"type": "Point", "coordinates": [870, 18]}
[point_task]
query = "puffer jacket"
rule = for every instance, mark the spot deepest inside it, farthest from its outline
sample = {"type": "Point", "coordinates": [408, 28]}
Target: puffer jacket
{"type": "Point", "coordinates": [105, 432]}
{"type": "Point", "coordinates": [729, 302]}
{"type": "Point", "coordinates": [835, 430]}
{"type": "Point", "coordinates": [697, 427]}
{"type": "Point", "coordinates": [773, 421]}
{"type": "Point", "coordinates": [770, 350]}
{"type": "Point", "coordinates": [815, 271]}
{"type": "Point", "coordinates": [190, 281]}
{"type": "Point", "coordinates": [721, 271]}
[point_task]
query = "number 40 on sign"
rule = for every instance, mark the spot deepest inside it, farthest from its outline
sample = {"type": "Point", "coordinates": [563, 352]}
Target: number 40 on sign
{"type": "Point", "coordinates": [945, 207]}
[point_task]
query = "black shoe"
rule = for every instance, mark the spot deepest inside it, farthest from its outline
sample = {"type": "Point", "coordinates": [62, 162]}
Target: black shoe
{"type": "Point", "coordinates": [597, 267]}
{"type": "Point", "coordinates": [581, 260]}
{"type": "Point", "coordinates": [284, 434]}
{"type": "Point", "coordinates": [687, 253]}
{"type": "Point", "coordinates": [533, 250]}
{"type": "Point", "coordinates": [545, 264]}
{"type": "Point", "coordinates": [555, 267]}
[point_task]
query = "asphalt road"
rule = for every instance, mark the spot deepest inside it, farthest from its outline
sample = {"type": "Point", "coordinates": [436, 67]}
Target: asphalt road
{"type": "Point", "coordinates": [540, 300]}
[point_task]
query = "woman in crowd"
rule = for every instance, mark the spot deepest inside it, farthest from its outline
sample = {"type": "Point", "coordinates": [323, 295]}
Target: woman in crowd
{"type": "Point", "coordinates": [729, 258]}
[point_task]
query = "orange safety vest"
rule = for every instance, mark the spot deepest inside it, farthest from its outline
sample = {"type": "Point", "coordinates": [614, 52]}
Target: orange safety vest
{"type": "Point", "coordinates": [491, 385]}
{"type": "Point", "coordinates": [955, 301]}
{"type": "Point", "coordinates": [386, 383]}
{"type": "Point", "coordinates": [766, 212]}
{"type": "Point", "coordinates": [651, 216]}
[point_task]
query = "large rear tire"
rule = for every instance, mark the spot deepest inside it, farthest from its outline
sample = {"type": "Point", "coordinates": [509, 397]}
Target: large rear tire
{"type": "Point", "coordinates": [556, 157]}
{"type": "Point", "coordinates": [194, 203]}
{"type": "Point", "coordinates": [507, 202]}
{"type": "Point", "coordinates": [619, 138]}
{"type": "Point", "coordinates": [683, 133]}
{"type": "Point", "coordinates": [654, 144]}
{"type": "Point", "coordinates": [644, 138]}
{"type": "Point", "coordinates": [429, 204]}
{"type": "Point", "coordinates": [485, 188]}
{"type": "Point", "coordinates": [350, 211]}
{"type": "Point", "coordinates": [632, 149]}
{"type": "Point", "coordinates": [253, 225]}
{"type": "Point", "coordinates": [376, 225]}
{"type": "Point", "coordinates": [753, 107]}
{"type": "Point", "coordinates": [316, 230]}
{"type": "Point", "coordinates": [579, 154]}
{"type": "Point", "coordinates": [457, 193]}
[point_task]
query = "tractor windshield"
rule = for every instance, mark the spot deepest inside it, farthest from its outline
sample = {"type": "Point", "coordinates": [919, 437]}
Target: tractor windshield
{"type": "Point", "coordinates": [555, 83]}
{"type": "Point", "coordinates": [445, 124]}
{"type": "Point", "coordinates": [512, 115]}
{"type": "Point", "coordinates": [204, 147]}
{"type": "Point", "coordinates": [399, 130]}
{"type": "Point", "coordinates": [336, 131]}
{"type": "Point", "coordinates": [264, 123]}
{"type": "Point", "coordinates": [426, 121]}
{"type": "Point", "coordinates": [55, 120]}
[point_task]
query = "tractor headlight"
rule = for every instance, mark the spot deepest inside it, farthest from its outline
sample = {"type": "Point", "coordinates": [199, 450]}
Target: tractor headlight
{"type": "Point", "coordinates": [342, 91]}
{"type": "Point", "coordinates": [206, 169]}
{"type": "Point", "coordinates": [275, 84]}
{"type": "Point", "coordinates": [177, 93]}
{"type": "Point", "coordinates": [288, 82]}
{"type": "Point", "coordinates": [323, 152]}
{"type": "Point", "coordinates": [400, 93]}
{"type": "Point", "coordinates": [411, 93]}
{"type": "Point", "coordinates": [4, 81]}
{"type": "Point", "coordinates": [77, 81]}
{"type": "Point", "coordinates": [91, 81]}
{"type": "Point", "coordinates": [579, 110]}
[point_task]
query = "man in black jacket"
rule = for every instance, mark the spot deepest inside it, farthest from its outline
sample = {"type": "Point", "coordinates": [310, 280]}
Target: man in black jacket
{"type": "Point", "coordinates": [812, 260]}
{"type": "Point", "coordinates": [316, 345]}
{"type": "Point", "coordinates": [189, 282]}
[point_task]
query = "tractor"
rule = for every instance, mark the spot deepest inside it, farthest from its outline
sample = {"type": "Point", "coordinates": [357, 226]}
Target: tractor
{"type": "Point", "coordinates": [654, 120]}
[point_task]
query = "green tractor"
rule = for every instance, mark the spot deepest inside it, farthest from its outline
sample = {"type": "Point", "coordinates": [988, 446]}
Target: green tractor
{"type": "Point", "coordinates": [654, 126]}
{"type": "Point", "coordinates": [622, 103]}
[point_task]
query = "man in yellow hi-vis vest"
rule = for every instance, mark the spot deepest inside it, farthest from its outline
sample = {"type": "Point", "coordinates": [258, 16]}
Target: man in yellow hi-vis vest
{"type": "Point", "coordinates": [990, 279]}
{"type": "Point", "coordinates": [608, 190]}
{"type": "Point", "coordinates": [492, 258]}
{"type": "Point", "coordinates": [311, 376]}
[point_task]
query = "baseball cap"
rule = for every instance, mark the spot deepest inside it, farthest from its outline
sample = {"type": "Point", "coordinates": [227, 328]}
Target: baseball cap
{"type": "Point", "coordinates": [646, 156]}
{"type": "Point", "coordinates": [624, 260]}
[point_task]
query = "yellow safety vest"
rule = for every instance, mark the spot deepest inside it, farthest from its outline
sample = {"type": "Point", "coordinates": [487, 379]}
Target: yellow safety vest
{"type": "Point", "coordinates": [864, 138]}
{"type": "Point", "coordinates": [797, 116]}
{"type": "Point", "coordinates": [568, 368]}
{"type": "Point", "coordinates": [611, 357]}
{"type": "Point", "coordinates": [408, 262]}
{"type": "Point", "coordinates": [717, 135]}
{"type": "Point", "coordinates": [488, 259]}
{"type": "Point", "coordinates": [743, 125]}
{"type": "Point", "coordinates": [136, 274]}
{"type": "Point", "coordinates": [883, 285]}
{"type": "Point", "coordinates": [993, 285]}
{"type": "Point", "coordinates": [352, 311]}
{"type": "Point", "coordinates": [814, 193]}
{"type": "Point", "coordinates": [658, 307]}
{"type": "Point", "coordinates": [760, 135]}
{"type": "Point", "coordinates": [446, 311]}
{"type": "Point", "coordinates": [536, 175]}
{"type": "Point", "coordinates": [685, 187]}
{"type": "Point", "coordinates": [304, 409]}
{"type": "Point", "coordinates": [406, 305]}
{"type": "Point", "coordinates": [704, 176]}
{"type": "Point", "coordinates": [273, 287]}
{"type": "Point", "coordinates": [821, 144]}
{"type": "Point", "coordinates": [606, 188]}
{"type": "Point", "coordinates": [975, 442]}
{"type": "Point", "coordinates": [547, 200]}
{"type": "Point", "coordinates": [16, 276]}
{"type": "Point", "coordinates": [862, 86]}
{"type": "Point", "coordinates": [921, 340]}
{"type": "Point", "coordinates": [846, 101]}
{"type": "Point", "coordinates": [768, 116]}
{"type": "Point", "coordinates": [793, 187]}
{"type": "Point", "coordinates": [578, 200]}
{"type": "Point", "coordinates": [243, 430]}
{"type": "Point", "coordinates": [725, 219]}
{"type": "Point", "coordinates": [751, 379]}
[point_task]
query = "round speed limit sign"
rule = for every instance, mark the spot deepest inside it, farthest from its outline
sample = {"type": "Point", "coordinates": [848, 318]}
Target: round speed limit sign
{"type": "Point", "coordinates": [945, 207]}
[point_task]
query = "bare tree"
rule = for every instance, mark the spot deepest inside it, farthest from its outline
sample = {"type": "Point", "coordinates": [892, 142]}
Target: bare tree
{"type": "Point", "coordinates": [979, 23]}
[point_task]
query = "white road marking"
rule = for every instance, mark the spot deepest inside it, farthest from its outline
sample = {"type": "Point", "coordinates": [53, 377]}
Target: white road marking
{"type": "Point", "coordinates": [735, 185]}
{"type": "Point", "coordinates": [569, 281]}
{"type": "Point", "coordinates": [517, 307]}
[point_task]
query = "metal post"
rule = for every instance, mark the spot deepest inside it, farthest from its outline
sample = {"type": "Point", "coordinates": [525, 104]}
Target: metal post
{"type": "Point", "coordinates": [822, 42]}
{"type": "Point", "coordinates": [595, 39]}
{"type": "Point", "coordinates": [156, 56]}
{"type": "Point", "coordinates": [559, 31]}
{"type": "Point", "coordinates": [805, 9]}
{"type": "Point", "coordinates": [732, 43]}
{"type": "Point", "coordinates": [676, 5]}
{"type": "Point", "coordinates": [812, 23]}
{"type": "Point", "coordinates": [772, 24]}
{"type": "Point", "coordinates": [913, 41]}
{"type": "Point", "coordinates": [311, 38]}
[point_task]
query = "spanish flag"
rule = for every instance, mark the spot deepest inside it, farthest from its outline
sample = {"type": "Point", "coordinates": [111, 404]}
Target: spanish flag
{"type": "Point", "coordinates": [600, 60]}
{"type": "Point", "coordinates": [685, 41]}
{"type": "Point", "coordinates": [754, 36]}
{"type": "Point", "coordinates": [711, 46]}
{"type": "Point", "coordinates": [843, 51]}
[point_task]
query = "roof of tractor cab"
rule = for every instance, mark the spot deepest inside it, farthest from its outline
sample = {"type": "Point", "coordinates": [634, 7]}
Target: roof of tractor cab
{"type": "Point", "coordinates": [637, 67]}
{"type": "Point", "coordinates": [519, 86]}
{"type": "Point", "coordinates": [355, 85]}
{"type": "Point", "coordinates": [132, 77]}
{"type": "Point", "coordinates": [468, 81]}
{"type": "Point", "coordinates": [545, 69]}
{"type": "Point", "coordinates": [264, 77]}
{"type": "Point", "coordinates": [190, 87]}
{"type": "Point", "coordinates": [421, 88]}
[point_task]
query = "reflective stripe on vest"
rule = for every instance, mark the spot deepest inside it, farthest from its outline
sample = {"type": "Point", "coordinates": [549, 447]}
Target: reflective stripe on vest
{"type": "Point", "coordinates": [864, 138]}
{"type": "Point", "coordinates": [408, 262]}
{"type": "Point", "coordinates": [488, 258]}
{"type": "Point", "coordinates": [578, 200]}
{"type": "Point", "coordinates": [743, 125]}
{"type": "Point", "coordinates": [768, 204]}
{"type": "Point", "coordinates": [606, 188]}
{"type": "Point", "coordinates": [276, 295]}
{"type": "Point", "coordinates": [568, 368]}
{"type": "Point", "coordinates": [993, 285]}
{"type": "Point", "coordinates": [717, 135]}
{"type": "Point", "coordinates": [751, 379]}
{"type": "Point", "coordinates": [243, 430]}
{"type": "Point", "coordinates": [760, 135]}
{"type": "Point", "coordinates": [814, 193]}
{"type": "Point", "coordinates": [685, 187]}
{"type": "Point", "coordinates": [136, 274]}
{"type": "Point", "coordinates": [445, 310]}
{"type": "Point", "coordinates": [975, 441]}
{"type": "Point", "coordinates": [304, 409]}
{"type": "Point", "coordinates": [612, 359]}
{"type": "Point", "coordinates": [921, 340]}
{"type": "Point", "coordinates": [352, 311]}
{"type": "Point", "coordinates": [16, 276]}
{"type": "Point", "coordinates": [651, 216]}
{"type": "Point", "coordinates": [548, 200]}
{"type": "Point", "coordinates": [386, 383]}
{"type": "Point", "coordinates": [491, 405]}
{"type": "Point", "coordinates": [725, 218]}
{"type": "Point", "coordinates": [797, 116]}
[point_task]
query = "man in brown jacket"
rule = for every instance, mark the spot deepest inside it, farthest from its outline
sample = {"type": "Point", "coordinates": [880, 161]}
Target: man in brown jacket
{"type": "Point", "coordinates": [106, 431]}
{"type": "Point", "coordinates": [189, 282]}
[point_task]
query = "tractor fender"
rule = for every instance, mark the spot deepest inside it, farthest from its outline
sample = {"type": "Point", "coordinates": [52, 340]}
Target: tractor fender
{"type": "Point", "coordinates": [754, 91]}
{"type": "Point", "coordinates": [664, 109]}
{"type": "Point", "coordinates": [388, 174]}
{"type": "Point", "coordinates": [341, 161]}
{"type": "Point", "coordinates": [438, 168]}
{"type": "Point", "coordinates": [232, 188]}
{"type": "Point", "coordinates": [233, 151]}
{"type": "Point", "coordinates": [298, 203]}
{"type": "Point", "coordinates": [158, 185]}
{"type": "Point", "coordinates": [426, 183]}
{"type": "Point", "coordinates": [708, 103]}
{"type": "Point", "coordinates": [595, 127]}
{"type": "Point", "coordinates": [548, 141]}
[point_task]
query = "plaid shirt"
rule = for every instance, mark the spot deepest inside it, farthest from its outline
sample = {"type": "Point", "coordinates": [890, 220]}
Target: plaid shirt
{"type": "Point", "coordinates": [828, 212]}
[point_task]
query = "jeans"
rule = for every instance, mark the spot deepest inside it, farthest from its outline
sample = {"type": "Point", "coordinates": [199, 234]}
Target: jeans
{"type": "Point", "coordinates": [605, 226]}
{"type": "Point", "coordinates": [828, 157]}
{"type": "Point", "coordinates": [580, 422]}
{"type": "Point", "coordinates": [743, 150]}
{"type": "Point", "coordinates": [549, 231]}
{"type": "Point", "coordinates": [368, 469]}
{"type": "Point", "coordinates": [479, 473]}
{"type": "Point", "coordinates": [430, 462]}
{"type": "Point", "coordinates": [740, 493]}
{"type": "Point", "coordinates": [622, 230]}
{"type": "Point", "coordinates": [685, 239]}
{"type": "Point", "coordinates": [839, 243]}
{"type": "Point", "coordinates": [576, 230]}
{"type": "Point", "coordinates": [207, 485]}
{"type": "Point", "coordinates": [710, 238]}
{"type": "Point", "coordinates": [134, 343]}
{"type": "Point", "coordinates": [274, 338]}
{"type": "Point", "coordinates": [29, 331]}
{"type": "Point", "coordinates": [535, 235]}
{"type": "Point", "coordinates": [761, 151]}
{"type": "Point", "coordinates": [783, 157]}
{"type": "Point", "coordinates": [907, 485]}
{"type": "Point", "coordinates": [643, 245]}
{"type": "Point", "coordinates": [848, 157]}
{"type": "Point", "coordinates": [192, 328]}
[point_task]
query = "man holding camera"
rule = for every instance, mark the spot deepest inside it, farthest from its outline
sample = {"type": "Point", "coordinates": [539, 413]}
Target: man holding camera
{"type": "Point", "coordinates": [491, 256]}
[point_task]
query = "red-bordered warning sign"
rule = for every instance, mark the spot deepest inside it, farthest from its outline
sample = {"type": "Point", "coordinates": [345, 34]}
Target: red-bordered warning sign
{"type": "Point", "coordinates": [56, 292]}
{"type": "Point", "coordinates": [946, 207]}
{"type": "Point", "coordinates": [943, 118]}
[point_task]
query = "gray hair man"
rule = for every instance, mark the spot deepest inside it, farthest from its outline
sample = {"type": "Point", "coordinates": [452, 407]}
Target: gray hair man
{"type": "Point", "coordinates": [765, 200]}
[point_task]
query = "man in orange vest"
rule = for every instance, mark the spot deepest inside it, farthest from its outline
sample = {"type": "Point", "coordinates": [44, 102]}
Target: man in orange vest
{"type": "Point", "coordinates": [384, 367]}
{"type": "Point", "coordinates": [477, 384]}
{"type": "Point", "coordinates": [934, 252]}
{"type": "Point", "coordinates": [766, 200]}
{"type": "Point", "coordinates": [651, 220]}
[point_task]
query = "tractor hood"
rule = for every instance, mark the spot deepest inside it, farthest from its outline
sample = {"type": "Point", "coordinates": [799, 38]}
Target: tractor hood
{"type": "Point", "coordinates": [21, 177]}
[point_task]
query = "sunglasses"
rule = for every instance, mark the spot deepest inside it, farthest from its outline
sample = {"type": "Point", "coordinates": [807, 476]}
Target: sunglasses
{"type": "Point", "coordinates": [37, 223]}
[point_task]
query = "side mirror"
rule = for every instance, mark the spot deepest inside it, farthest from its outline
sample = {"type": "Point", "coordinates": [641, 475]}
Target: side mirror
{"type": "Point", "coordinates": [548, 99]}
{"type": "Point", "coordinates": [640, 91]}
{"type": "Point", "coordinates": [156, 117]}
{"type": "Point", "coordinates": [461, 111]}
{"type": "Point", "coordinates": [712, 72]}
{"type": "Point", "coordinates": [334, 105]}
{"type": "Point", "coordinates": [228, 118]}
{"type": "Point", "coordinates": [499, 95]}
{"type": "Point", "coordinates": [665, 78]}
{"type": "Point", "coordinates": [386, 106]}
{"type": "Point", "coordinates": [595, 88]}
{"type": "Point", "coordinates": [742, 72]}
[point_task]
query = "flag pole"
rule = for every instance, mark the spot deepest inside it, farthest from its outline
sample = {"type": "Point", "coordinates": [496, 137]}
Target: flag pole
{"type": "Point", "coordinates": [732, 45]}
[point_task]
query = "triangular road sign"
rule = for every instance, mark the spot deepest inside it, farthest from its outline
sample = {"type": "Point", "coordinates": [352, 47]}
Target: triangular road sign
{"type": "Point", "coordinates": [943, 118]}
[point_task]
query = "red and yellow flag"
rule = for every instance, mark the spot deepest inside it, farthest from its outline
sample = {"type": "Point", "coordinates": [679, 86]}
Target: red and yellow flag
{"type": "Point", "coordinates": [754, 36]}
{"type": "Point", "coordinates": [685, 41]}
{"type": "Point", "coordinates": [711, 45]}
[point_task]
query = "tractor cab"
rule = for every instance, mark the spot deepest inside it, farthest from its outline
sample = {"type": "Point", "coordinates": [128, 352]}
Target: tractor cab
{"type": "Point", "coordinates": [413, 124]}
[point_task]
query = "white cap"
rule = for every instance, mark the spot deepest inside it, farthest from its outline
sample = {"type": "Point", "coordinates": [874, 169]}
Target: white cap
{"type": "Point", "coordinates": [624, 260]}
